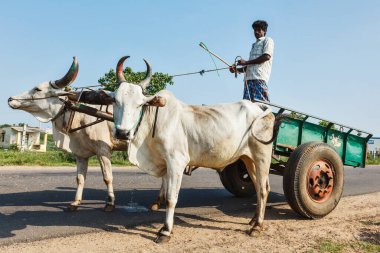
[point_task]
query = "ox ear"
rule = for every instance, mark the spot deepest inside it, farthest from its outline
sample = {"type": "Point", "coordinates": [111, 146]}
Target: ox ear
{"type": "Point", "coordinates": [156, 101]}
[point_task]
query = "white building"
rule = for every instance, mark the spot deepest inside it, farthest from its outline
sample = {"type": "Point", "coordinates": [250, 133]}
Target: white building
{"type": "Point", "coordinates": [23, 137]}
{"type": "Point", "coordinates": [374, 146]}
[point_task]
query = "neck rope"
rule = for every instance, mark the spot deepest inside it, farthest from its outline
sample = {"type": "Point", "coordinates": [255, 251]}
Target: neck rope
{"type": "Point", "coordinates": [137, 122]}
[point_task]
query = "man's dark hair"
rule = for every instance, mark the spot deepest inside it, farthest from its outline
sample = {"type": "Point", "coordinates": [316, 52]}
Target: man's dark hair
{"type": "Point", "coordinates": [260, 24]}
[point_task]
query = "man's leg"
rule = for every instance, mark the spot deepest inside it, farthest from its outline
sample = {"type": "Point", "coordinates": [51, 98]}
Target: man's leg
{"type": "Point", "coordinates": [248, 90]}
{"type": "Point", "coordinates": [260, 90]}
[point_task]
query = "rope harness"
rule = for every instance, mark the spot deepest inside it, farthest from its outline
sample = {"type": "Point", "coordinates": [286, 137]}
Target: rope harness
{"type": "Point", "coordinates": [40, 98]}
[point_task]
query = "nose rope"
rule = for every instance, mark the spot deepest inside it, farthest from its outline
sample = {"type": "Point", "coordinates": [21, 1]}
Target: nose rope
{"type": "Point", "coordinates": [31, 98]}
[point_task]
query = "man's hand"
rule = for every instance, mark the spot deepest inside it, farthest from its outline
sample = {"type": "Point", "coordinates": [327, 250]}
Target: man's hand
{"type": "Point", "coordinates": [232, 69]}
{"type": "Point", "coordinates": [242, 62]}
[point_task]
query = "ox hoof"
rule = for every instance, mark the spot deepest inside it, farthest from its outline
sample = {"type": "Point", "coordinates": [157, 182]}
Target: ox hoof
{"type": "Point", "coordinates": [155, 207]}
{"type": "Point", "coordinates": [71, 208]}
{"type": "Point", "coordinates": [162, 239]}
{"type": "Point", "coordinates": [255, 231]}
{"type": "Point", "coordinates": [109, 208]}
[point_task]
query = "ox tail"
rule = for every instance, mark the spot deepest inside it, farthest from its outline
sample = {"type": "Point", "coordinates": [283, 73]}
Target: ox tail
{"type": "Point", "coordinates": [276, 125]}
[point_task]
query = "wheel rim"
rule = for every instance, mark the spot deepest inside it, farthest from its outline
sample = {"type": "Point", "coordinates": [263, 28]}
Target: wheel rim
{"type": "Point", "coordinates": [320, 181]}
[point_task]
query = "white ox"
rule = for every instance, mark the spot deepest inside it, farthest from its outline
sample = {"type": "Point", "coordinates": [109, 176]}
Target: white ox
{"type": "Point", "coordinates": [44, 103]}
{"type": "Point", "coordinates": [185, 135]}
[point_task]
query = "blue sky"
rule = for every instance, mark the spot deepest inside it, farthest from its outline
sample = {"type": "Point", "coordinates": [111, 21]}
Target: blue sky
{"type": "Point", "coordinates": [326, 59]}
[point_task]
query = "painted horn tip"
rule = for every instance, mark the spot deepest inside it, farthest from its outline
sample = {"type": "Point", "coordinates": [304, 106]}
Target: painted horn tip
{"type": "Point", "coordinates": [122, 59]}
{"type": "Point", "coordinates": [144, 83]}
{"type": "Point", "coordinates": [119, 69]}
{"type": "Point", "coordinates": [69, 77]}
{"type": "Point", "coordinates": [147, 63]}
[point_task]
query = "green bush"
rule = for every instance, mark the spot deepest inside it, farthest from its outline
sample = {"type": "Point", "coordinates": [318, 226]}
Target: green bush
{"type": "Point", "coordinates": [372, 160]}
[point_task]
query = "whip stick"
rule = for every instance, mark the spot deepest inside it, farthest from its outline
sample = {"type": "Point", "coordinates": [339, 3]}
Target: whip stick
{"type": "Point", "coordinates": [202, 45]}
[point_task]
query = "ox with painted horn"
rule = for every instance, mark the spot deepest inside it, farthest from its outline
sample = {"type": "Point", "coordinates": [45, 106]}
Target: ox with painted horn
{"type": "Point", "coordinates": [200, 136]}
{"type": "Point", "coordinates": [46, 103]}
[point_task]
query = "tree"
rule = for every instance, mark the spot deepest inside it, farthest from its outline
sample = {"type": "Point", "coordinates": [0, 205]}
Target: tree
{"type": "Point", "coordinates": [158, 82]}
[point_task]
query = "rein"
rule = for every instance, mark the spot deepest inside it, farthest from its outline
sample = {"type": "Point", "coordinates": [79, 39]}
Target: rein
{"type": "Point", "coordinates": [33, 98]}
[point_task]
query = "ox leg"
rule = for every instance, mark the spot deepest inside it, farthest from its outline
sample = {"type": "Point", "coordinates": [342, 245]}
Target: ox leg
{"type": "Point", "coordinates": [105, 164]}
{"type": "Point", "coordinates": [82, 166]}
{"type": "Point", "coordinates": [260, 176]}
{"type": "Point", "coordinates": [173, 185]}
{"type": "Point", "coordinates": [251, 169]}
{"type": "Point", "coordinates": [161, 196]}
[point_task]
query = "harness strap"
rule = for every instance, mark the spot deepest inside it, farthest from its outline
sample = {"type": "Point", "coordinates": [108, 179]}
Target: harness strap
{"type": "Point", "coordinates": [40, 98]}
{"type": "Point", "coordinates": [61, 111]}
{"type": "Point", "coordinates": [137, 123]}
{"type": "Point", "coordinates": [155, 121]}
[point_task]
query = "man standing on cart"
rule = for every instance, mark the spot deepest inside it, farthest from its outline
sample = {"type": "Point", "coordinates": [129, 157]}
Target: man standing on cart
{"type": "Point", "coordinates": [258, 68]}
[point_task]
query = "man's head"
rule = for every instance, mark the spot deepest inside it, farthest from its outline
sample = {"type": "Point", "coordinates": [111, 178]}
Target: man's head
{"type": "Point", "coordinates": [260, 28]}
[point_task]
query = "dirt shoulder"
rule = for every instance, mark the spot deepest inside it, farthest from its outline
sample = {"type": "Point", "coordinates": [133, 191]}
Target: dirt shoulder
{"type": "Point", "coordinates": [353, 227]}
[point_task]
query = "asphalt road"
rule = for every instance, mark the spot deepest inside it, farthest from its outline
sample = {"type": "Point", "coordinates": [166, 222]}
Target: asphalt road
{"type": "Point", "coordinates": [33, 200]}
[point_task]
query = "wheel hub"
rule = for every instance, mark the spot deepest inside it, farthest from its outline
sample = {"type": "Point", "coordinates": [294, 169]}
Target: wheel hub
{"type": "Point", "coordinates": [320, 181]}
{"type": "Point", "coordinates": [243, 175]}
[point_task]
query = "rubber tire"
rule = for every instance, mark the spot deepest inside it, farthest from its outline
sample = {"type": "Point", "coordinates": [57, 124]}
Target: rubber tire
{"type": "Point", "coordinates": [232, 181]}
{"type": "Point", "coordinates": [294, 179]}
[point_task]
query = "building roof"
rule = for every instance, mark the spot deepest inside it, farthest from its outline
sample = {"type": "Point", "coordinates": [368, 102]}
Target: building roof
{"type": "Point", "coordinates": [28, 129]}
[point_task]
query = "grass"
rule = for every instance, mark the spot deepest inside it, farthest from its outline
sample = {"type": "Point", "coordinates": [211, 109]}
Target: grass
{"type": "Point", "coordinates": [53, 158]}
{"type": "Point", "coordinates": [358, 246]}
{"type": "Point", "coordinates": [372, 160]}
{"type": "Point", "coordinates": [329, 246]}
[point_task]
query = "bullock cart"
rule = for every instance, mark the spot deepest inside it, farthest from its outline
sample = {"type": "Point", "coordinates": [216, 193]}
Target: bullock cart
{"type": "Point", "coordinates": [308, 155]}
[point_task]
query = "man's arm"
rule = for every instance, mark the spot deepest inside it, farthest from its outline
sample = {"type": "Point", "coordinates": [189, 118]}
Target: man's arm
{"type": "Point", "coordinates": [261, 59]}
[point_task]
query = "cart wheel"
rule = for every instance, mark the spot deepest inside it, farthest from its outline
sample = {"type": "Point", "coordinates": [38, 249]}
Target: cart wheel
{"type": "Point", "coordinates": [313, 180]}
{"type": "Point", "coordinates": [236, 180]}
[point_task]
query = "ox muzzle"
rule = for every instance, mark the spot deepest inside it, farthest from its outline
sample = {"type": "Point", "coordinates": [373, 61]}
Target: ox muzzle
{"type": "Point", "coordinates": [13, 103]}
{"type": "Point", "coordinates": [123, 134]}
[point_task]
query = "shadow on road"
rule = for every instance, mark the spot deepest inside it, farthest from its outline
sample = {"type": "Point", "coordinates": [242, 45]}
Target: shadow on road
{"type": "Point", "coordinates": [45, 209]}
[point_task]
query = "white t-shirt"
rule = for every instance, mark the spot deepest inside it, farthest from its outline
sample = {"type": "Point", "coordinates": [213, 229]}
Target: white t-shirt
{"type": "Point", "coordinates": [263, 45]}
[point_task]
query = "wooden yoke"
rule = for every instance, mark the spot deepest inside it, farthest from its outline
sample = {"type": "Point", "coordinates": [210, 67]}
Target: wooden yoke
{"type": "Point", "coordinates": [100, 98]}
{"type": "Point", "coordinates": [91, 97]}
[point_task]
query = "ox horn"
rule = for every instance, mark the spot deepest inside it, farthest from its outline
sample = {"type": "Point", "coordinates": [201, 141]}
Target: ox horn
{"type": "Point", "coordinates": [120, 69]}
{"type": "Point", "coordinates": [144, 83]}
{"type": "Point", "coordinates": [68, 78]}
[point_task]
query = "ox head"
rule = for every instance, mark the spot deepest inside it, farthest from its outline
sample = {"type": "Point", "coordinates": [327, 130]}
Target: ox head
{"type": "Point", "coordinates": [42, 101]}
{"type": "Point", "coordinates": [129, 102]}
